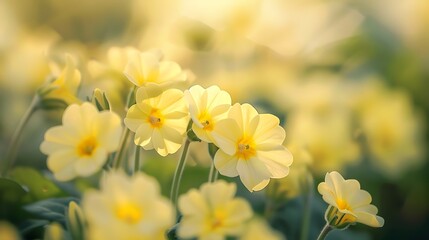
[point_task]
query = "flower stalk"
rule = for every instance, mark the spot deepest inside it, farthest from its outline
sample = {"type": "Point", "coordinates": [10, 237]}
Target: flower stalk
{"type": "Point", "coordinates": [306, 217]}
{"type": "Point", "coordinates": [124, 140]}
{"type": "Point", "coordinates": [137, 159]}
{"type": "Point", "coordinates": [14, 143]}
{"type": "Point", "coordinates": [178, 173]}
{"type": "Point", "coordinates": [326, 229]}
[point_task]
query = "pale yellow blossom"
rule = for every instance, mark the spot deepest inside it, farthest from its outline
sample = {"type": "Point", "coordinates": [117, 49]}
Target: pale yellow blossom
{"type": "Point", "coordinates": [349, 203]}
{"type": "Point", "coordinates": [259, 228]}
{"type": "Point", "coordinates": [8, 231]}
{"type": "Point", "coordinates": [250, 146]}
{"type": "Point", "coordinates": [212, 212]}
{"type": "Point", "coordinates": [393, 130]}
{"type": "Point", "coordinates": [159, 122]}
{"type": "Point", "coordinates": [127, 208]}
{"type": "Point", "coordinates": [80, 146]}
{"type": "Point", "coordinates": [116, 60]}
{"type": "Point", "coordinates": [207, 107]}
{"type": "Point", "coordinates": [148, 70]}
{"type": "Point", "coordinates": [65, 85]}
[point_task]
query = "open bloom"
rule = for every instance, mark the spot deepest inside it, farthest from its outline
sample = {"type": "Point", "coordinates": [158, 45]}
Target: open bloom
{"type": "Point", "coordinates": [159, 122]}
{"type": "Point", "coordinates": [212, 212]}
{"type": "Point", "coordinates": [348, 203]}
{"type": "Point", "coordinates": [65, 85]}
{"type": "Point", "coordinates": [116, 60]}
{"type": "Point", "coordinates": [250, 145]}
{"type": "Point", "coordinates": [207, 107]}
{"type": "Point", "coordinates": [148, 70]}
{"type": "Point", "coordinates": [259, 228]}
{"type": "Point", "coordinates": [81, 145]}
{"type": "Point", "coordinates": [127, 208]}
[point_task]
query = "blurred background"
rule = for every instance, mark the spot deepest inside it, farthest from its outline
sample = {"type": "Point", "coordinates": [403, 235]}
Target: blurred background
{"type": "Point", "coordinates": [348, 79]}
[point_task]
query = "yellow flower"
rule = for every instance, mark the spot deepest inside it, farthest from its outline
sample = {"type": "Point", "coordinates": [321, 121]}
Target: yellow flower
{"type": "Point", "coordinates": [207, 107]}
{"type": "Point", "coordinates": [65, 86]}
{"type": "Point", "coordinates": [147, 70]}
{"type": "Point", "coordinates": [159, 122]}
{"type": "Point", "coordinates": [127, 208]}
{"type": "Point", "coordinates": [348, 203]}
{"type": "Point", "coordinates": [81, 145]}
{"type": "Point", "coordinates": [250, 145]}
{"type": "Point", "coordinates": [296, 182]}
{"type": "Point", "coordinates": [116, 61]}
{"type": "Point", "coordinates": [212, 212]}
{"type": "Point", "coordinates": [393, 130]}
{"type": "Point", "coordinates": [8, 231]}
{"type": "Point", "coordinates": [258, 228]}
{"type": "Point", "coordinates": [54, 231]}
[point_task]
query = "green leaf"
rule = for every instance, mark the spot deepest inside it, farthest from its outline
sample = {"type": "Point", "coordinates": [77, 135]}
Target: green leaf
{"type": "Point", "coordinates": [39, 187]}
{"type": "Point", "coordinates": [50, 209]}
{"type": "Point", "coordinates": [31, 224]}
{"type": "Point", "coordinates": [11, 191]}
{"type": "Point", "coordinates": [11, 196]}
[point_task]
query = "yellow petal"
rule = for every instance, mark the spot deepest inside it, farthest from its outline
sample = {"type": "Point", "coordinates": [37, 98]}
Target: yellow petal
{"type": "Point", "coordinates": [252, 172]}
{"type": "Point", "coordinates": [226, 134]}
{"type": "Point", "coordinates": [143, 135]}
{"type": "Point", "coordinates": [135, 117]}
{"type": "Point", "coordinates": [218, 193]}
{"type": "Point", "coordinates": [369, 219]}
{"type": "Point", "coordinates": [226, 164]}
{"type": "Point", "coordinates": [109, 130]}
{"type": "Point", "coordinates": [277, 161]}
{"type": "Point", "coordinates": [86, 167]}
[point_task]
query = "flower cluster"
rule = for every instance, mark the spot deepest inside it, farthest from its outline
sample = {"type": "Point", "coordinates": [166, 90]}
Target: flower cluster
{"type": "Point", "coordinates": [160, 116]}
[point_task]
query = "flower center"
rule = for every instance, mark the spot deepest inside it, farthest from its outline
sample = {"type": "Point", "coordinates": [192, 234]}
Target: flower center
{"type": "Point", "coordinates": [219, 217]}
{"type": "Point", "coordinates": [153, 76]}
{"type": "Point", "coordinates": [245, 148]}
{"type": "Point", "coordinates": [343, 205]}
{"type": "Point", "coordinates": [129, 213]}
{"type": "Point", "coordinates": [206, 120]}
{"type": "Point", "coordinates": [156, 119]}
{"type": "Point", "coordinates": [87, 147]}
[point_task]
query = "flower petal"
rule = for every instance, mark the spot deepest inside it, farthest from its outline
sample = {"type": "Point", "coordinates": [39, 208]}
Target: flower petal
{"type": "Point", "coordinates": [226, 164]}
{"type": "Point", "coordinates": [252, 172]}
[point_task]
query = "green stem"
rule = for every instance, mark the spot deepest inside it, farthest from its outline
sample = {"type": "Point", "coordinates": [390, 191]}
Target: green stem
{"type": "Point", "coordinates": [178, 173]}
{"type": "Point", "coordinates": [271, 196]}
{"type": "Point", "coordinates": [326, 229]}
{"type": "Point", "coordinates": [211, 173]}
{"type": "Point", "coordinates": [137, 159]}
{"type": "Point", "coordinates": [119, 154]}
{"type": "Point", "coordinates": [14, 143]}
{"type": "Point", "coordinates": [216, 175]}
{"type": "Point", "coordinates": [307, 208]}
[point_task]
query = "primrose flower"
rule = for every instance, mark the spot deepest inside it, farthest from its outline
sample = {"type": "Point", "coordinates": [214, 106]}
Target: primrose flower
{"type": "Point", "coordinates": [81, 145]}
{"type": "Point", "coordinates": [127, 208]}
{"type": "Point", "coordinates": [207, 107]}
{"type": "Point", "coordinates": [159, 122]}
{"type": "Point", "coordinates": [259, 228]}
{"type": "Point", "coordinates": [116, 60]}
{"type": "Point", "coordinates": [250, 145]}
{"type": "Point", "coordinates": [148, 70]}
{"type": "Point", "coordinates": [348, 203]}
{"type": "Point", "coordinates": [212, 212]}
{"type": "Point", "coordinates": [65, 86]}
